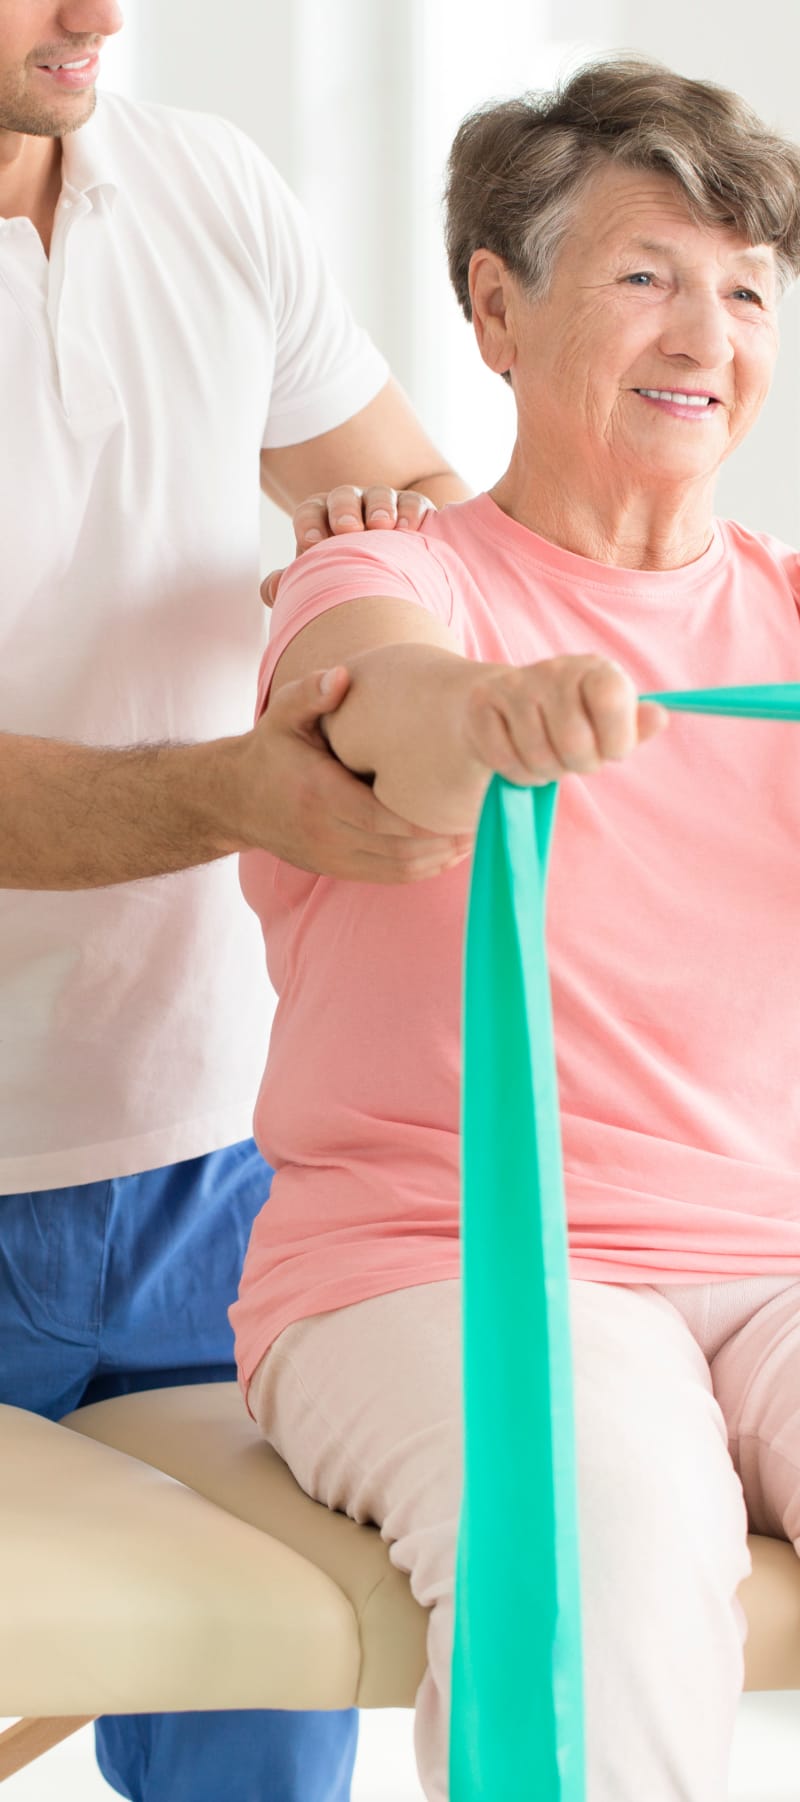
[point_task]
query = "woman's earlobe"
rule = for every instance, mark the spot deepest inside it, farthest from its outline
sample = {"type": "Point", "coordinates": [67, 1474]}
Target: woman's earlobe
{"type": "Point", "coordinates": [488, 286]}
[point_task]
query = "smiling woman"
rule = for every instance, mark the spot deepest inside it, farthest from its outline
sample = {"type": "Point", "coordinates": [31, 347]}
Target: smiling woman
{"type": "Point", "coordinates": [633, 232]}
{"type": "Point", "coordinates": [620, 247]}
{"type": "Point", "coordinates": [609, 352]}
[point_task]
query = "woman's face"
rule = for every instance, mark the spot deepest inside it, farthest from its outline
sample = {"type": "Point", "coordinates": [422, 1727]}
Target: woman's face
{"type": "Point", "coordinates": [646, 304]}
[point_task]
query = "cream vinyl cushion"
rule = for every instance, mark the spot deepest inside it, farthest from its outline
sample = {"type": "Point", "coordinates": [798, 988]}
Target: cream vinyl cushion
{"type": "Point", "coordinates": [205, 1437]}
{"type": "Point", "coordinates": [159, 1556]}
{"type": "Point", "coordinates": [125, 1591]}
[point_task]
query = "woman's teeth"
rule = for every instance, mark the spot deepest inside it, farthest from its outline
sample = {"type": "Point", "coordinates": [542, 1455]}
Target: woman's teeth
{"type": "Point", "coordinates": [683, 400]}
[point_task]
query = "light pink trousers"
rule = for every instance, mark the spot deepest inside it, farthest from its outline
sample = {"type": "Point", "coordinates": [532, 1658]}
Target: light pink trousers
{"type": "Point", "coordinates": [688, 1425]}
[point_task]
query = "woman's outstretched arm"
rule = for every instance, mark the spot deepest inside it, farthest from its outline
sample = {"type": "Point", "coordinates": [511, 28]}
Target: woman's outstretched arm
{"type": "Point", "coordinates": [429, 726]}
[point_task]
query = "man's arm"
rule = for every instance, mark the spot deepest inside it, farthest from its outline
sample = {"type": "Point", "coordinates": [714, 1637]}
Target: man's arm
{"type": "Point", "coordinates": [383, 445]}
{"type": "Point", "coordinates": [75, 817]}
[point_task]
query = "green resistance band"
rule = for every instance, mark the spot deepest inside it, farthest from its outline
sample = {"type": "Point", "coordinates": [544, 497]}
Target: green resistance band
{"type": "Point", "coordinates": [516, 1732]}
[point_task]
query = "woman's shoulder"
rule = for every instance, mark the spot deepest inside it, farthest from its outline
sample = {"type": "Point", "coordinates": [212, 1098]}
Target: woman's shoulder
{"type": "Point", "coordinates": [761, 551]}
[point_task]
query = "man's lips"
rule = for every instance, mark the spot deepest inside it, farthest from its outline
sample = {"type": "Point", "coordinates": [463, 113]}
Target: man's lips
{"type": "Point", "coordinates": [74, 71]}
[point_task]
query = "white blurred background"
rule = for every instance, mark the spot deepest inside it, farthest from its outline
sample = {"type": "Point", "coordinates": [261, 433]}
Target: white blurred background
{"type": "Point", "coordinates": [357, 101]}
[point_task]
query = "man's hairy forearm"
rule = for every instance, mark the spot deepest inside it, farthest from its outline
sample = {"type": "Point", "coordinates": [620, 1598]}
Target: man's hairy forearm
{"type": "Point", "coordinates": [74, 817]}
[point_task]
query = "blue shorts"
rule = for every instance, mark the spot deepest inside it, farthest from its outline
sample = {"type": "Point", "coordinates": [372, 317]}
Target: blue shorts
{"type": "Point", "coordinates": [124, 1285]}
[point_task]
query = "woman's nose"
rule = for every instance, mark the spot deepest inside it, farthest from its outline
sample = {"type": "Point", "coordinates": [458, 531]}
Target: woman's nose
{"type": "Point", "coordinates": [698, 328]}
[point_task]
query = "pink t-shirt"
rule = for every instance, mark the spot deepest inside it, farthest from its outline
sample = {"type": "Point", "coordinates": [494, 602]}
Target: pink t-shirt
{"type": "Point", "coordinates": [674, 942]}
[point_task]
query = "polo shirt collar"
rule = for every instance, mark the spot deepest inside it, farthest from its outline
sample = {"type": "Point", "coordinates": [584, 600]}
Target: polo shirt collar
{"type": "Point", "coordinates": [87, 165]}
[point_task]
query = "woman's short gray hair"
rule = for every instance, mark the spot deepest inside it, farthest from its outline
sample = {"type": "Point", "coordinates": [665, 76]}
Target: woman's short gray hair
{"type": "Point", "coordinates": [518, 167]}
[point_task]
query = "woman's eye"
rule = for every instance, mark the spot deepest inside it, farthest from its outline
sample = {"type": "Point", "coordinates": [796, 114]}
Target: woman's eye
{"type": "Point", "coordinates": [642, 276]}
{"type": "Point", "coordinates": [748, 294]}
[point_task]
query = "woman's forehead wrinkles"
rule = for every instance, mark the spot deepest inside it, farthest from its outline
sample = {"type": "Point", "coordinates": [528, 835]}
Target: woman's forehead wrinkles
{"type": "Point", "coordinates": [617, 239]}
{"type": "Point", "coordinates": [733, 248]}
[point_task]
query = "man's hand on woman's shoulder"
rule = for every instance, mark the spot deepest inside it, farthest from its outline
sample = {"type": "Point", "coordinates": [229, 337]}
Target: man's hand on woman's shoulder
{"type": "Point", "coordinates": [348, 509]}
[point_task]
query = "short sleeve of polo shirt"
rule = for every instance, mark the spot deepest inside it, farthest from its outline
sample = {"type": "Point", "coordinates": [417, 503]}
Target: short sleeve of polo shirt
{"type": "Point", "coordinates": [326, 366]}
{"type": "Point", "coordinates": [396, 565]}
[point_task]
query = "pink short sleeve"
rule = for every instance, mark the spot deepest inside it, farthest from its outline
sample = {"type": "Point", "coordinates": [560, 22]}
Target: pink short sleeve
{"type": "Point", "coordinates": [399, 565]}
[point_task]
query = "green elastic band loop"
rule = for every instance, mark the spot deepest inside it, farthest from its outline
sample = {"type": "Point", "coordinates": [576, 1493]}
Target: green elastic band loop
{"type": "Point", "coordinates": [517, 1705]}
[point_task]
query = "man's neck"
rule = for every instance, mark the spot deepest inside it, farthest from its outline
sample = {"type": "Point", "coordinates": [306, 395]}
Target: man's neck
{"type": "Point", "coordinates": [30, 180]}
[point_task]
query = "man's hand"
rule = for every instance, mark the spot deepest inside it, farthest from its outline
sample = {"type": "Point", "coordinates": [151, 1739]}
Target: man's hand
{"type": "Point", "coordinates": [299, 803]}
{"type": "Point", "coordinates": [348, 509]}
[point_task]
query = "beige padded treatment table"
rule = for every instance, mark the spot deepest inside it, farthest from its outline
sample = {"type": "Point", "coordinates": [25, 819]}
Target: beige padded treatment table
{"type": "Point", "coordinates": [158, 1556]}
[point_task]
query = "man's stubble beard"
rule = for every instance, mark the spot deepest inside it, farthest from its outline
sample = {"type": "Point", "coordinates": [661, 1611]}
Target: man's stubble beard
{"type": "Point", "coordinates": [19, 113]}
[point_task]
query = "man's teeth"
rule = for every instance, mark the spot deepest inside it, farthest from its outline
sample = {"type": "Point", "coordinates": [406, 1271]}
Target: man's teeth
{"type": "Point", "coordinates": [683, 400]}
{"type": "Point", "coordinates": [83, 64]}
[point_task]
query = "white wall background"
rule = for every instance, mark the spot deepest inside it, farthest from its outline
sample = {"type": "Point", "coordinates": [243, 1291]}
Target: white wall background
{"type": "Point", "coordinates": [357, 101]}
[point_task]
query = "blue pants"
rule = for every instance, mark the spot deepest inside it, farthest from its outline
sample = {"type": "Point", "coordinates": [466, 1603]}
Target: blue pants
{"type": "Point", "coordinates": [124, 1285]}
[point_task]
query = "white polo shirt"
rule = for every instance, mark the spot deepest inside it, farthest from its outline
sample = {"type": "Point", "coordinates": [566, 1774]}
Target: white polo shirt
{"type": "Point", "coordinates": [184, 320]}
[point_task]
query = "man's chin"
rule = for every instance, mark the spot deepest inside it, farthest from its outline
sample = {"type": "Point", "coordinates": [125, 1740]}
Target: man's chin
{"type": "Point", "coordinates": [75, 123]}
{"type": "Point", "coordinates": [50, 121]}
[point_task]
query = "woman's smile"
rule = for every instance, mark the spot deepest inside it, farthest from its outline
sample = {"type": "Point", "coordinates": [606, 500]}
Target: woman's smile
{"type": "Point", "coordinates": [681, 404]}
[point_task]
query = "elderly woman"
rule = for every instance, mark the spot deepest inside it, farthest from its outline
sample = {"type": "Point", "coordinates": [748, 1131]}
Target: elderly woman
{"type": "Point", "coordinates": [620, 246]}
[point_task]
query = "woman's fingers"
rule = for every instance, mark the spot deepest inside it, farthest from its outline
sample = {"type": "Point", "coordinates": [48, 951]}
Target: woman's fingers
{"type": "Point", "coordinates": [563, 715]}
{"type": "Point", "coordinates": [652, 718]}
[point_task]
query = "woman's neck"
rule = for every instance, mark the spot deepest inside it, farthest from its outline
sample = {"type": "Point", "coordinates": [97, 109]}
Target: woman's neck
{"type": "Point", "coordinates": [632, 529]}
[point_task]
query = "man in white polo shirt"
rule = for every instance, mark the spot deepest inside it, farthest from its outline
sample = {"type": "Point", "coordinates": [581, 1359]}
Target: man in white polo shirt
{"type": "Point", "coordinates": [165, 322]}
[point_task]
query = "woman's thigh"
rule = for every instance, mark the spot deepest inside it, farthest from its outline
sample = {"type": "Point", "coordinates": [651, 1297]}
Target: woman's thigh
{"type": "Point", "coordinates": [364, 1404]}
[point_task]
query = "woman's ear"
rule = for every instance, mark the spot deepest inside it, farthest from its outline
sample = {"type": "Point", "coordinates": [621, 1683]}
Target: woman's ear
{"type": "Point", "coordinates": [490, 288]}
